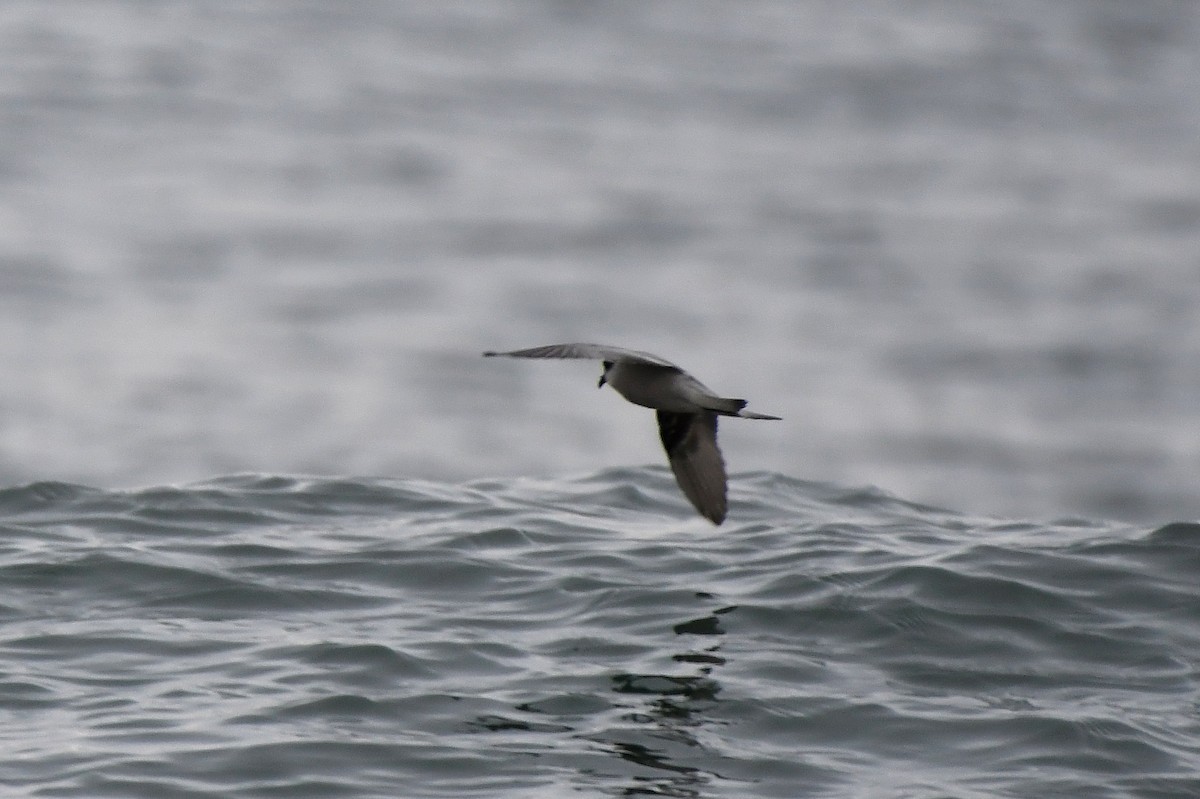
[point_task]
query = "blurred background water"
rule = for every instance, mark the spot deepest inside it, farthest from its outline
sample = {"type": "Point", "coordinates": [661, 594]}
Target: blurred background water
{"type": "Point", "coordinates": [954, 245]}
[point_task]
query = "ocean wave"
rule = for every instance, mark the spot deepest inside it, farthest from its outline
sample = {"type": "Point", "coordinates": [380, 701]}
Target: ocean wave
{"type": "Point", "coordinates": [253, 634]}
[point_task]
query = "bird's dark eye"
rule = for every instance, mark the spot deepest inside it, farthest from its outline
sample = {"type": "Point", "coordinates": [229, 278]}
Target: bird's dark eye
{"type": "Point", "coordinates": [607, 365]}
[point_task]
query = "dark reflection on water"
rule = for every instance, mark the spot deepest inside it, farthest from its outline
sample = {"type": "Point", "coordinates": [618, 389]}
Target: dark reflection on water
{"type": "Point", "coordinates": [665, 740]}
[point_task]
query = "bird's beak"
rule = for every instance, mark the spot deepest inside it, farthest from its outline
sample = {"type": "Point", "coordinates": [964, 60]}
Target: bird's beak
{"type": "Point", "coordinates": [603, 380]}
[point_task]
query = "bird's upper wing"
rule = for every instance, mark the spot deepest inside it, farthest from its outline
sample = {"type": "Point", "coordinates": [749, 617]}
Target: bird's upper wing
{"type": "Point", "coordinates": [595, 352]}
{"type": "Point", "coordinates": [690, 440]}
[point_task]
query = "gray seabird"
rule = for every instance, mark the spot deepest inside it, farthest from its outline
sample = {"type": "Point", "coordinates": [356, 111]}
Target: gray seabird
{"type": "Point", "coordinates": [687, 414]}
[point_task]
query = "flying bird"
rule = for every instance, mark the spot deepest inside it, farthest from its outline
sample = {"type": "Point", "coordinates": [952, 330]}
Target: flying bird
{"type": "Point", "coordinates": [687, 414]}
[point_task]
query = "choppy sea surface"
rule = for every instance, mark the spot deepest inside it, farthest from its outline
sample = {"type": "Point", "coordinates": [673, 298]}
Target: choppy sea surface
{"type": "Point", "coordinates": [265, 636]}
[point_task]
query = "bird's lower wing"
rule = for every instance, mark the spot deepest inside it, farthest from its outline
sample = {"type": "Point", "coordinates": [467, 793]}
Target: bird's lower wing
{"type": "Point", "coordinates": [690, 440]}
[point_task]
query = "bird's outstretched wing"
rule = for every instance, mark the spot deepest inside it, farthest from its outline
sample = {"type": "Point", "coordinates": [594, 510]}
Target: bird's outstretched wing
{"type": "Point", "coordinates": [690, 440]}
{"type": "Point", "coordinates": [594, 352]}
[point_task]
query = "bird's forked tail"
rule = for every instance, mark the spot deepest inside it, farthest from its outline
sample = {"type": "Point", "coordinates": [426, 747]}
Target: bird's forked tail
{"type": "Point", "coordinates": [736, 407]}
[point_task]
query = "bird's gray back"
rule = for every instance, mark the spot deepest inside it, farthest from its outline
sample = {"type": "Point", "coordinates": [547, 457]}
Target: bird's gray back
{"type": "Point", "coordinates": [662, 388]}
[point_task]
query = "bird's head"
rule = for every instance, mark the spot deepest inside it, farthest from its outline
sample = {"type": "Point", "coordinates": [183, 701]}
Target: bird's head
{"type": "Point", "coordinates": [604, 377]}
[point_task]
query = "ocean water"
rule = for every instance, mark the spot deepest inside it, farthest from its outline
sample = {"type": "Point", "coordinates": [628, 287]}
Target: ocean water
{"type": "Point", "coordinates": [954, 245]}
{"type": "Point", "coordinates": [260, 636]}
